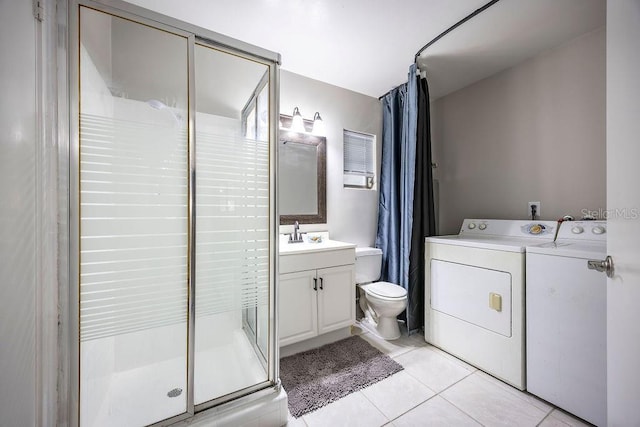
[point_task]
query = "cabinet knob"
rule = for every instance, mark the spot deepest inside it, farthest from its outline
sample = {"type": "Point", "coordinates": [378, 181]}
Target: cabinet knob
{"type": "Point", "coordinates": [321, 284]}
{"type": "Point", "coordinates": [315, 284]}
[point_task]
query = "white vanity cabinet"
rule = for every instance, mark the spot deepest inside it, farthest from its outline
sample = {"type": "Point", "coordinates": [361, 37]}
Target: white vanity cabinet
{"type": "Point", "coordinates": [316, 292]}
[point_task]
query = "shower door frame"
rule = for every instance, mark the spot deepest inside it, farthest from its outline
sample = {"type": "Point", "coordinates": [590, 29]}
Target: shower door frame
{"type": "Point", "coordinates": [70, 360]}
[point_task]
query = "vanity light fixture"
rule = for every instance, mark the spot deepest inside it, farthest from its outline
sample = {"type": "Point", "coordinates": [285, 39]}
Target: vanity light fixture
{"type": "Point", "coordinates": [318, 125]}
{"type": "Point", "coordinates": [297, 124]}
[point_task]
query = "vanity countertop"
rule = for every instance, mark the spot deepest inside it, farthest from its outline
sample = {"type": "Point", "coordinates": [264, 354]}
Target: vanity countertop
{"type": "Point", "coordinates": [306, 247]}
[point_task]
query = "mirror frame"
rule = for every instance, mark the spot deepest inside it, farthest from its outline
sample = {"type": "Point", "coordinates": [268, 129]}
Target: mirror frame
{"type": "Point", "coordinates": [320, 142]}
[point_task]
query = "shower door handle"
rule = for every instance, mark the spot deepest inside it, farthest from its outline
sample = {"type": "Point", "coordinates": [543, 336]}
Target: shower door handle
{"type": "Point", "coordinates": [315, 284]}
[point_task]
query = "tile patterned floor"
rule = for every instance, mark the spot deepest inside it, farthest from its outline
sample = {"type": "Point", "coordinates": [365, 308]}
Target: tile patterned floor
{"type": "Point", "coordinates": [435, 389]}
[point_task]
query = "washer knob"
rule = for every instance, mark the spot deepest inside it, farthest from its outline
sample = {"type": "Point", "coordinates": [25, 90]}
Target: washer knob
{"type": "Point", "coordinates": [482, 226]}
{"type": "Point", "coordinates": [598, 229]}
{"type": "Point", "coordinates": [472, 225]}
{"type": "Point", "coordinates": [577, 229]}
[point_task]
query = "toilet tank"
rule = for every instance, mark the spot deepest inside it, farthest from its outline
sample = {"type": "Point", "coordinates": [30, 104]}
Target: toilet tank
{"type": "Point", "coordinates": [368, 264]}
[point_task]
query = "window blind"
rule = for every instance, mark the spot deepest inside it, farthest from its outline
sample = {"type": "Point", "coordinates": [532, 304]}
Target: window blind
{"type": "Point", "coordinates": [359, 164]}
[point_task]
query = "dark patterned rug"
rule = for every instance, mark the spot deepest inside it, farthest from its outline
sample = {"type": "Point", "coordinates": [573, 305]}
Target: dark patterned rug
{"type": "Point", "coordinates": [317, 377]}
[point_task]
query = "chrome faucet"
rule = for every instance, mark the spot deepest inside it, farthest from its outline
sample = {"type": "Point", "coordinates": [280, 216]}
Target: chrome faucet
{"type": "Point", "coordinates": [296, 236]}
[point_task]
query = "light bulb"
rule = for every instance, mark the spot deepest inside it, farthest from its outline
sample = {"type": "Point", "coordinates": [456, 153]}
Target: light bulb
{"type": "Point", "coordinates": [318, 125]}
{"type": "Point", "coordinates": [297, 124]}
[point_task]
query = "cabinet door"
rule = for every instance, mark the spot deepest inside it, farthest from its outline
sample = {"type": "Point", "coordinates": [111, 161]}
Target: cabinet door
{"type": "Point", "coordinates": [336, 298]}
{"type": "Point", "coordinates": [298, 311]}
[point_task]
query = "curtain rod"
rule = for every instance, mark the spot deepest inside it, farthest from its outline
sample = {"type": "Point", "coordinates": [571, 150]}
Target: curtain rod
{"type": "Point", "coordinates": [454, 26]}
{"type": "Point", "coordinates": [447, 31]}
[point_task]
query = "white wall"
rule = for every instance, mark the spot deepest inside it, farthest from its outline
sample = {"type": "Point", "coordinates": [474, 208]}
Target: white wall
{"type": "Point", "coordinates": [534, 132]}
{"type": "Point", "coordinates": [352, 214]}
{"type": "Point", "coordinates": [623, 202]}
{"type": "Point", "coordinates": [17, 215]}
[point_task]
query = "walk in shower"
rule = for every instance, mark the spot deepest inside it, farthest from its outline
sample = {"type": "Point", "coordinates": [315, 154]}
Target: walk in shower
{"type": "Point", "coordinates": [173, 218]}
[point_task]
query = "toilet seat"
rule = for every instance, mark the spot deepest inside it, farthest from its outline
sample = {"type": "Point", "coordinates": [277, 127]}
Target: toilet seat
{"type": "Point", "coordinates": [386, 290]}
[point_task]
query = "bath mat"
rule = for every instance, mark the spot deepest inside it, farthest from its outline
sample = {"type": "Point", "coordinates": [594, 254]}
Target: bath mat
{"type": "Point", "coordinates": [317, 377]}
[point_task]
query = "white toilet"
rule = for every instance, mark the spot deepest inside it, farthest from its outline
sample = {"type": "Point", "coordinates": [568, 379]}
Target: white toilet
{"type": "Point", "coordinates": [381, 302]}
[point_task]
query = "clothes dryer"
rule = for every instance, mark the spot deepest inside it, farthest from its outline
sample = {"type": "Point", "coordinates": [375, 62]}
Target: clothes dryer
{"type": "Point", "coordinates": [475, 290]}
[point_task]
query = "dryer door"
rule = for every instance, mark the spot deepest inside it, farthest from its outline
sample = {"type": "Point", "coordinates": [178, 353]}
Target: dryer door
{"type": "Point", "coordinates": [476, 295]}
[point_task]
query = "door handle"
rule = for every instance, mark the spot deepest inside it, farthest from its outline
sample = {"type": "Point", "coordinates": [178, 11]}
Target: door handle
{"type": "Point", "coordinates": [321, 284]}
{"type": "Point", "coordinates": [603, 266]}
{"type": "Point", "coordinates": [315, 284]}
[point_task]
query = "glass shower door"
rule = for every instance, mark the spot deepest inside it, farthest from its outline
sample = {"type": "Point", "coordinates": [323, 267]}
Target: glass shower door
{"type": "Point", "coordinates": [134, 226]}
{"type": "Point", "coordinates": [232, 226]}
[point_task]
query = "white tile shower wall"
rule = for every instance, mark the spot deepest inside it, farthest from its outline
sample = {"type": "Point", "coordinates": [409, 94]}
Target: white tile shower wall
{"type": "Point", "coordinates": [161, 344]}
{"type": "Point", "coordinates": [212, 330]}
{"type": "Point", "coordinates": [352, 214]}
{"type": "Point", "coordinates": [98, 367]}
{"type": "Point", "coordinates": [96, 96]}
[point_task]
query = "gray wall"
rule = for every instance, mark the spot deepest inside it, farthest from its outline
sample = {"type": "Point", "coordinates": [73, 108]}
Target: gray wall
{"type": "Point", "coordinates": [534, 132]}
{"type": "Point", "coordinates": [352, 214]}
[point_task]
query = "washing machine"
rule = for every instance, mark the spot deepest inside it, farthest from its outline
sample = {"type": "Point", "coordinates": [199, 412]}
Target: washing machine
{"type": "Point", "coordinates": [475, 290]}
{"type": "Point", "coordinates": [567, 321]}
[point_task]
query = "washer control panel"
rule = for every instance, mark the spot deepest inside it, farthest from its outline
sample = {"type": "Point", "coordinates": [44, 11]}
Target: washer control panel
{"type": "Point", "coordinates": [583, 230]}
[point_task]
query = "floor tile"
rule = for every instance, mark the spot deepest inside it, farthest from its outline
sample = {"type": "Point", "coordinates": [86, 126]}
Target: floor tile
{"type": "Point", "coordinates": [393, 348]}
{"type": "Point", "coordinates": [295, 422]}
{"type": "Point", "coordinates": [418, 338]}
{"type": "Point", "coordinates": [558, 418]}
{"type": "Point", "coordinates": [353, 410]}
{"type": "Point", "coordinates": [535, 401]}
{"type": "Point", "coordinates": [492, 405]}
{"type": "Point", "coordinates": [397, 394]}
{"type": "Point", "coordinates": [432, 369]}
{"type": "Point", "coordinates": [453, 358]}
{"type": "Point", "coordinates": [435, 412]}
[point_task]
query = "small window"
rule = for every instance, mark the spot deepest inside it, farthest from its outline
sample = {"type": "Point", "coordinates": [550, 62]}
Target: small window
{"type": "Point", "coordinates": [359, 159]}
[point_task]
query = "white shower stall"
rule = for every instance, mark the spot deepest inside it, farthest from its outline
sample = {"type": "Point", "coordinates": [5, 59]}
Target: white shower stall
{"type": "Point", "coordinates": [173, 216]}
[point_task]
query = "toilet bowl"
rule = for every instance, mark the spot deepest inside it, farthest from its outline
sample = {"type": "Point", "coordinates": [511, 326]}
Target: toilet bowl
{"type": "Point", "coordinates": [381, 303]}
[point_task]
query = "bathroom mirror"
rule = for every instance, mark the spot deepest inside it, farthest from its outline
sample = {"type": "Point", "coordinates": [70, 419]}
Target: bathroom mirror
{"type": "Point", "coordinates": [301, 175]}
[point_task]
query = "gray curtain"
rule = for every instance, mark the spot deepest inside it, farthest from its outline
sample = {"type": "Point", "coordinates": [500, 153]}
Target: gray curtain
{"type": "Point", "coordinates": [397, 180]}
{"type": "Point", "coordinates": [406, 208]}
{"type": "Point", "coordinates": [424, 223]}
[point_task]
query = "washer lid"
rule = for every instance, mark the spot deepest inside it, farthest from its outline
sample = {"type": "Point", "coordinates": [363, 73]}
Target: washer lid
{"type": "Point", "coordinates": [387, 290]}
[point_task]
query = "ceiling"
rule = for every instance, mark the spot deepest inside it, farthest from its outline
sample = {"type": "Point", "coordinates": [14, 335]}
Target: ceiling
{"type": "Point", "coordinates": [504, 35]}
{"type": "Point", "coordinates": [367, 45]}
